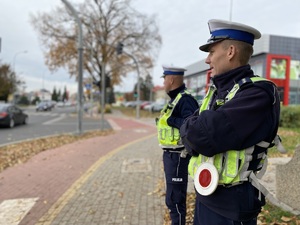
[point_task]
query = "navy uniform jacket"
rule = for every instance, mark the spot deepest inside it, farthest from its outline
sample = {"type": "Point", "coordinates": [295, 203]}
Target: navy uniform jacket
{"type": "Point", "coordinates": [250, 117]}
{"type": "Point", "coordinates": [185, 107]}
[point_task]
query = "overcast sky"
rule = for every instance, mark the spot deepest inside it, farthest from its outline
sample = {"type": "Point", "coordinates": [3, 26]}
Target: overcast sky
{"type": "Point", "coordinates": [182, 24]}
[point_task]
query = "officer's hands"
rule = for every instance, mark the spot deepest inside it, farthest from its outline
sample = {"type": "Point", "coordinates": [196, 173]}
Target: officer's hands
{"type": "Point", "coordinates": [184, 140]}
{"type": "Point", "coordinates": [191, 151]}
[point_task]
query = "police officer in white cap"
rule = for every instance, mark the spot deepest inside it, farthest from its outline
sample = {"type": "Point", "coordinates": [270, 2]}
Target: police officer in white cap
{"type": "Point", "coordinates": [175, 157]}
{"type": "Point", "coordinates": [231, 132]}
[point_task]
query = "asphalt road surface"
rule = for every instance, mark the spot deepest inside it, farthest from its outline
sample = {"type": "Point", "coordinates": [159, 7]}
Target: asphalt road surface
{"type": "Point", "coordinates": [55, 122]}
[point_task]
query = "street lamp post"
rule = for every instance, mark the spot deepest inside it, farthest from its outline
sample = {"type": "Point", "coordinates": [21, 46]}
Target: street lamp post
{"type": "Point", "coordinates": [15, 56]}
{"type": "Point", "coordinates": [120, 50]}
{"type": "Point", "coordinates": [103, 89]}
{"type": "Point", "coordinates": [138, 86]}
{"type": "Point", "coordinates": [103, 93]}
{"type": "Point", "coordinates": [80, 64]}
{"type": "Point", "coordinates": [13, 67]}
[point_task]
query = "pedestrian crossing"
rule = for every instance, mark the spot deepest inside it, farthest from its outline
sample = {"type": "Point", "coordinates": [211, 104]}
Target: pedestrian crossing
{"type": "Point", "coordinates": [14, 210]}
{"type": "Point", "coordinates": [48, 114]}
{"type": "Point", "coordinates": [56, 119]}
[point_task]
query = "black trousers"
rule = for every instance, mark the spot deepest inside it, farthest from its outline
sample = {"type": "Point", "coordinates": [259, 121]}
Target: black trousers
{"type": "Point", "coordinates": [205, 216]}
{"type": "Point", "coordinates": [176, 174]}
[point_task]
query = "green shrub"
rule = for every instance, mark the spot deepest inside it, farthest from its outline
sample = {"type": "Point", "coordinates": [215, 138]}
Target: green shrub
{"type": "Point", "coordinates": [290, 116]}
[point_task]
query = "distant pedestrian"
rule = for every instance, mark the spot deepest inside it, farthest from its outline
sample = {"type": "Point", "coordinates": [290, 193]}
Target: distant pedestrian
{"type": "Point", "coordinates": [175, 157]}
{"type": "Point", "coordinates": [230, 135]}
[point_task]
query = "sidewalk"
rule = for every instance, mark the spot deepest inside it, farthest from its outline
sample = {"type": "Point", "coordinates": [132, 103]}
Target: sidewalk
{"type": "Point", "coordinates": [103, 180]}
{"type": "Point", "coordinates": [114, 179]}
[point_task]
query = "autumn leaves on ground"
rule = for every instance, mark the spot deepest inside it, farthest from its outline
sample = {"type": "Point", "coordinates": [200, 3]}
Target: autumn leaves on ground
{"type": "Point", "coordinates": [13, 154]}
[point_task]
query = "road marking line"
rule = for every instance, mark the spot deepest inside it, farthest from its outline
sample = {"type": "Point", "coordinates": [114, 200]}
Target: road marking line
{"type": "Point", "coordinates": [55, 120]}
{"type": "Point", "coordinates": [140, 130]}
{"type": "Point", "coordinates": [114, 125]}
{"type": "Point", "coordinates": [52, 213]}
{"type": "Point", "coordinates": [14, 210]}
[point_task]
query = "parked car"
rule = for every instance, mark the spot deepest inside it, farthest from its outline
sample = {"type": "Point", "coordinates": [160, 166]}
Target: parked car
{"type": "Point", "coordinates": [131, 104]}
{"type": "Point", "coordinates": [143, 104]}
{"type": "Point", "coordinates": [154, 107]}
{"type": "Point", "coordinates": [148, 107]}
{"type": "Point", "coordinates": [11, 115]}
{"type": "Point", "coordinates": [157, 107]}
{"type": "Point", "coordinates": [60, 104]}
{"type": "Point", "coordinates": [43, 106]}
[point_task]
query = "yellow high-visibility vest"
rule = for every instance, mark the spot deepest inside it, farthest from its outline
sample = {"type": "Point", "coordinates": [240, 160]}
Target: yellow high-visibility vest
{"type": "Point", "coordinates": [169, 137]}
{"type": "Point", "coordinates": [232, 165]}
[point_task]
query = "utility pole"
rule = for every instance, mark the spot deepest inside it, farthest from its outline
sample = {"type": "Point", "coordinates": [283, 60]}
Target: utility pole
{"type": "Point", "coordinates": [230, 11]}
{"type": "Point", "coordinates": [80, 65]}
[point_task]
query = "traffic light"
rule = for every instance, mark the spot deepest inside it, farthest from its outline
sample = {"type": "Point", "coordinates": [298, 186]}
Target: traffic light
{"type": "Point", "coordinates": [97, 83]}
{"type": "Point", "coordinates": [119, 48]}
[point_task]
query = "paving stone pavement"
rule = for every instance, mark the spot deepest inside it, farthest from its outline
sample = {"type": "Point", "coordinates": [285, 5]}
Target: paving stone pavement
{"type": "Point", "coordinates": [119, 191]}
{"type": "Point", "coordinates": [110, 180]}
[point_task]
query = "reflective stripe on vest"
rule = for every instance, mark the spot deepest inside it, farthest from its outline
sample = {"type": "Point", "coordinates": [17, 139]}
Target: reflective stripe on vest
{"type": "Point", "coordinates": [169, 137]}
{"type": "Point", "coordinates": [232, 165]}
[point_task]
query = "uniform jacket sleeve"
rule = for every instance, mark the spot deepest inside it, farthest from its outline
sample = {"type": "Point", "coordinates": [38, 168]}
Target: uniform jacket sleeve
{"type": "Point", "coordinates": [186, 106]}
{"type": "Point", "coordinates": [243, 121]}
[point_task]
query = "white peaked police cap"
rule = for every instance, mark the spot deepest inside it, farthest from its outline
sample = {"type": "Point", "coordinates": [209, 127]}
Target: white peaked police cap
{"type": "Point", "coordinates": [221, 30]}
{"type": "Point", "coordinates": [172, 70]}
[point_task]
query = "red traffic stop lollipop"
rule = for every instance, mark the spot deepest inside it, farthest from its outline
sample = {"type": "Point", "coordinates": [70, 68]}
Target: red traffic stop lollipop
{"type": "Point", "coordinates": [206, 179]}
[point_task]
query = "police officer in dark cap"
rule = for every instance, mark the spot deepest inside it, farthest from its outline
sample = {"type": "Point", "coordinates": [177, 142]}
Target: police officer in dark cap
{"type": "Point", "coordinates": [175, 157]}
{"type": "Point", "coordinates": [230, 134]}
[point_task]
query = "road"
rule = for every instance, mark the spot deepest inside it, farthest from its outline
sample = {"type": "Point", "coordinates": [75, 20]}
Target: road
{"type": "Point", "coordinates": [55, 122]}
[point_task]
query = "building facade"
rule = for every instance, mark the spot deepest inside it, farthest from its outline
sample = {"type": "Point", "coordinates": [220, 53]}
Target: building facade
{"type": "Point", "coordinates": [275, 57]}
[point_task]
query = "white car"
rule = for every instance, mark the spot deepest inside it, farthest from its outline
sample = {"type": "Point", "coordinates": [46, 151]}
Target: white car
{"type": "Point", "coordinates": [155, 107]}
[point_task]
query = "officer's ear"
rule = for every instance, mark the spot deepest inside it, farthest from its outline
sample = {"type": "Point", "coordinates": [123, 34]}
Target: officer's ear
{"type": "Point", "coordinates": [231, 51]}
{"type": "Point", "coordinates": [230, 48]}
{"type": "Point", "coordinates": [171, 79]}
{"type": "Point", "coordinates": [234, 55]}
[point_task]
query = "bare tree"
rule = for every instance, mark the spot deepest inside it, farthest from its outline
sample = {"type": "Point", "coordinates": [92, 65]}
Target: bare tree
{"type": "Point", "coordinates": [105, 24]}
